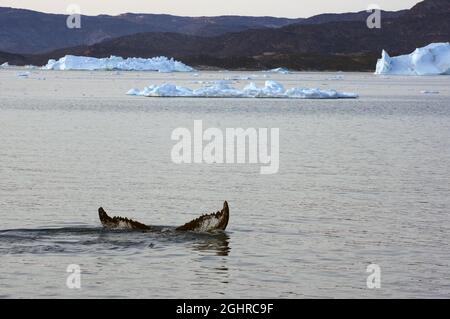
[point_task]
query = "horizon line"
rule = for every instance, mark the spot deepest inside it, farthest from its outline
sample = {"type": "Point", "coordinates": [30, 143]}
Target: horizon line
{"type": "Point", "coordinates": [197, 16]}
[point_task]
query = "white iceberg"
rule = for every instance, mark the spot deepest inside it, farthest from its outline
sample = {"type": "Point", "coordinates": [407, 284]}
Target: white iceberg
{"type": "Point", "coordinates": [279, 70]}
{"type": "Point", "coordinates": [434, 59]}
{"type": "Point", "coordinates": [160, 64]}
{"type": "Point", "coordinates": [222, 89]}
{"type": "Point", "coordinates": [4, 65]}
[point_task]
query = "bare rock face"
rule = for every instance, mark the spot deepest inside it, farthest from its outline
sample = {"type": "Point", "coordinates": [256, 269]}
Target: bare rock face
{"type": "Point", "coordinates": [31, 32]}
{"type": "Point", "coordinates": [427, 7]}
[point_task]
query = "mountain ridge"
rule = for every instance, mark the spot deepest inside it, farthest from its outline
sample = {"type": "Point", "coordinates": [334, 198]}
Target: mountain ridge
{"type": "Point", "coordinates": [40, 32]}
{"type": "Point", "coordinates": [347, 44]}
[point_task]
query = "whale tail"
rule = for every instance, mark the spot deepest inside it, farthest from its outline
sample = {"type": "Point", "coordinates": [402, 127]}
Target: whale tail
{"type": "Point", "coordinates": [209, 223]}
{"type": "Point", "coordinates": [119, 222]}
{"type": "Point", "coordinates": [206, 223]}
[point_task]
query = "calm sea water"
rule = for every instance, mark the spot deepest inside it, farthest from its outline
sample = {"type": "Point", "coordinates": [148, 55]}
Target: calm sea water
{"type": "Point", "coordinates": [361, 182]}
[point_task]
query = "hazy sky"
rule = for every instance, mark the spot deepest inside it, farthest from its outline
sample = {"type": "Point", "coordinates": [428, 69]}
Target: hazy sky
{"type": "Point", "coordinates": [285, 8]}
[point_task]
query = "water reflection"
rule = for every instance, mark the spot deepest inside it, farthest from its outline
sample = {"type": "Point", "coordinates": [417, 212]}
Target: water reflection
{"type": "Point", "coordinates": [67, 240]}
{"type": "Point", "coordinates": [218, 244]}
{"type": "Point", "coordinates": [210, 265]}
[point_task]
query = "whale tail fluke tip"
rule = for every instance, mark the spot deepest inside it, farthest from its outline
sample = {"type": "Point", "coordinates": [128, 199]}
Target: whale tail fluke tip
{"type": "Point", "coordinates": [209, 223]}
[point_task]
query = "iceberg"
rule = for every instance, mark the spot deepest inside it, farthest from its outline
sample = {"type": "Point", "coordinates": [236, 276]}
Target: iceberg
{"type": "Point", "coordinates": [279, 70]}
{"type": "Point", "coordinates": [222, 89]}
{"type": "Point", "coordinates": [4, 65]}
{"type": "Point", "coordinates": [434, 59]}
{"type": "Point", "coordinates": [160, 64]}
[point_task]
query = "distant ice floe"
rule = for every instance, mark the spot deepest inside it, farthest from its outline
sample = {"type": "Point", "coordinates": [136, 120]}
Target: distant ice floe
{"type": "Point", "coordinates": [335, 78]}
{"type": "Point", "coordinates": [434, 59]}
{"type": "Point", "coordinates": [4, 65]}
{"type": "Point", "coordinates": [23, 75]}
{"type": "Point", "coordinates": [240, 78]}
{"type": "Point", "coordinates": [429, 92]}
{"type": "Point", "coordinates": [160, 64]}
{"type": "Point", "coordinates": [279, 70]}
{"type": "Point", "coordinates": [221, 89]}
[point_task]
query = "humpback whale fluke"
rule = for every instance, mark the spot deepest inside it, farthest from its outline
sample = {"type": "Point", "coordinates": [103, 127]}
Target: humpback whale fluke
{"type": "Point", "coordinates": [119, 222]}
{"type": "Point", "coordinates": [205, 223]}
{"type": "Point", "coordinates": [208, 223]}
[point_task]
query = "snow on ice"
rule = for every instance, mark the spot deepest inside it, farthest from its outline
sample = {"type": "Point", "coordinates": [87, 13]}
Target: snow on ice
{"type": "Point", "coordinates": [222, 89]}
{"type": "Point", "coordinates": [434, 59]}
{"type": "Point", "coordinates": [160, 64]}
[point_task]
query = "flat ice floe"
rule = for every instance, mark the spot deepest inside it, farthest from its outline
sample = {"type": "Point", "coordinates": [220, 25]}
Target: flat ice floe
{"type": "Point", "coordinates": [160, 64]}
{"type": "Point", "coordinates": [23, 74]}
{"type": "Point", "coordinates": [429, 92]}
{"type": "Point", "coordinates": [221, 89]}
{"type": "Point", "coordinates": [279, 70]}
{"type": "Point", "coordinates": [434, 59]}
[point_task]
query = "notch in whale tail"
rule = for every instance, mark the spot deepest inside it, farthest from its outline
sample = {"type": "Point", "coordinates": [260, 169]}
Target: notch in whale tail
{"type": "Point", "coordinates": [209, 223]}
